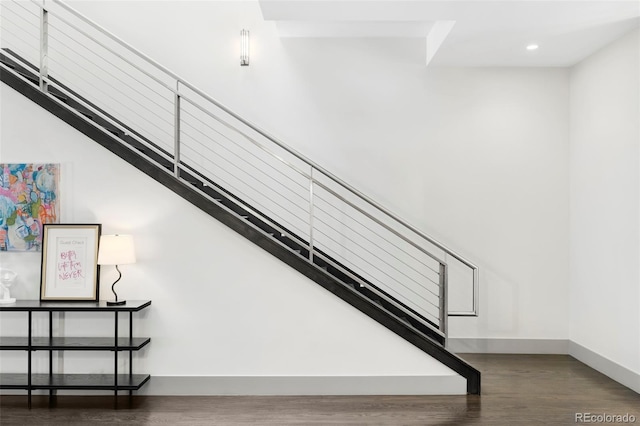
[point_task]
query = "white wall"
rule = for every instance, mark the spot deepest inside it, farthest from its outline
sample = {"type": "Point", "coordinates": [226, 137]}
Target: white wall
{"type": "Point", "coordinates": [476, 157]}
{"type": "Point", "coordinates": [221, 306]}
{"type": "Point", "coordinates": [605, 214]}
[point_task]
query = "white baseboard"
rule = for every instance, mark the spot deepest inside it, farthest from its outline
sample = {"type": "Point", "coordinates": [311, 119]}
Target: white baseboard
{"type": "Point", "coordinates": [620, 374]}
{"type": "Point", "coordinates": [290, 385]}
{"type": "Point", "coordinates": [594, 360]}
{"type": "Point", "coordinates": [509, 346]}
{"type": "Point", "coordinates": [307, 385]}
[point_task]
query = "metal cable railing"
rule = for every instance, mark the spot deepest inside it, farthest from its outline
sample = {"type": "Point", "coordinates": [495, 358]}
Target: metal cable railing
{"type": "Point", "coordinates": [336, 224]}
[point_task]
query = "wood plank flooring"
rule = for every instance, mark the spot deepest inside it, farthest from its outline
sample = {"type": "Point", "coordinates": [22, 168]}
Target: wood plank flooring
{"type": "Point", "coordinates": [517, 390]}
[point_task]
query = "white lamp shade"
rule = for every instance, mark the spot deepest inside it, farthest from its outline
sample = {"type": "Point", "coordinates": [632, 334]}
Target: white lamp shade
{"type": "Point", "coordinates": [116, 250]}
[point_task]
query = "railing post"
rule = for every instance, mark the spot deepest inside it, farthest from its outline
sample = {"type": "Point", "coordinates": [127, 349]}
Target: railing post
{"type": "Point", "coordinates": [176, 132]}
{"type": "Point", "coordinates": [443, 300]}
{"type": "Point", "coordinates": [44, 48]}
{"type": "Point", "coordinates": [311, 215]}
{"type": "Point", "coordinates": [476, 292]}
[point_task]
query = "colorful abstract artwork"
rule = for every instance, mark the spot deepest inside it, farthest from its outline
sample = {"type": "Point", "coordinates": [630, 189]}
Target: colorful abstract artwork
{"type": "Point", "coordinates": [28, 199]}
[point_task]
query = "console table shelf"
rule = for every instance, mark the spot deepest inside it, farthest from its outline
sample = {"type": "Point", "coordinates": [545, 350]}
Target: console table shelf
{"type": "Point", "coordinates": [74, 381]}
{"type": "Point", "coordinates": [31, 381]}
{"type": "Point", "coordinates": [100, 306]}
{"type": "Point", "coordinates": [72, 343]}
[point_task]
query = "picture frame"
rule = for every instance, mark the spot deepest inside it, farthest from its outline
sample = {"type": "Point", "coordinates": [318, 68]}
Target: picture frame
{"type": "Point", "coordinates": [69, 266]}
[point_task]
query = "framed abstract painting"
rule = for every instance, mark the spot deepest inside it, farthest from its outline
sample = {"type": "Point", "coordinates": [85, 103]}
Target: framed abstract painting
{"type": "Point", "coordinates": [29, 198]}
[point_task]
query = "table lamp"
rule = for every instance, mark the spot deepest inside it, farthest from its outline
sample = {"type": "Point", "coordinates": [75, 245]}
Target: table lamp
{"type": "Point", "coordinates": [116, 250]}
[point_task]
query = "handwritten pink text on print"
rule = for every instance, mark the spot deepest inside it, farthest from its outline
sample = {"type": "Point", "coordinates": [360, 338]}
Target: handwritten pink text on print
{"type": "Point", "coordinates": [69, 267]}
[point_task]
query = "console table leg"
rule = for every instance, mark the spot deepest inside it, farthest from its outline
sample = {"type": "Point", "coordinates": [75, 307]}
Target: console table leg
{"type": "Point", "coordinates": [50, 356]}
{"type": "Point", "coordinates": [130, 357]}
{"type": "Point", "coordinates": [115, 365]}
{"type": "Point", "coordinates": [131, 344]}
{"type": "Point", "coordinates": [29, 364]}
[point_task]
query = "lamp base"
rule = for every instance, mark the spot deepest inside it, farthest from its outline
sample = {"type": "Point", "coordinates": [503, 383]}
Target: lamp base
{"type": "Point", "coordinates": [116, 302]}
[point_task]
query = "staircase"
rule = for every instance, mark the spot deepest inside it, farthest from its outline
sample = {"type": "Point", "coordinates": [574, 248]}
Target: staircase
{"type": "Point", "coordinates": [235, 172]}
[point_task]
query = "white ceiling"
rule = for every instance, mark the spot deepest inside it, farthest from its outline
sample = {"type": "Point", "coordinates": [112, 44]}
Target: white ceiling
{"type": "Point", "coordinates": [467, 33]}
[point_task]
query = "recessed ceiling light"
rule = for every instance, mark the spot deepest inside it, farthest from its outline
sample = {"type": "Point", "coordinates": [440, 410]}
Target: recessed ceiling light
{"type": "Point", "coordinates": [532, 47]}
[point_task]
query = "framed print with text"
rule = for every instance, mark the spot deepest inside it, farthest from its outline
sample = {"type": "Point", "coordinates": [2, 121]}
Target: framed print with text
{"type": "Point", "coordinates": [70, 270]}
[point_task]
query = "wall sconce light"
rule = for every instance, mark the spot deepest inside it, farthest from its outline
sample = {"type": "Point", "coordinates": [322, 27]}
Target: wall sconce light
{"type": "Point", "coordinates": [244, 47]}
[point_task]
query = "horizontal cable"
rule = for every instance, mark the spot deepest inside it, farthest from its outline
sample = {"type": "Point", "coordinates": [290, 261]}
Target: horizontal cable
{"type": "Point", "coordinates": [91, 108]}
{"type": "Point", "coordinates": [84, 33]}
{"type": "Point", "coordinates": [99, 78]}
{"type": "Point", "coordinates": [251, 211]}
{"type": "Point", "coordinates": [239, 146]}
{"type": "Point", "coordinates": [406, 309]}
{"type": "Point", "coordinates": [209, 149]}
{"type": "Point", "coordinates": [245, 173]}
{"type": "Point", "coordinates": [13, 44]}
{"type": "Point", "coordinates": [261, 214]}
{"type": "Point", "coordinates": [77, 63]}
{"type": "Point", "coordinates": [382, 248]}
{"type": "Point", "coordinates": [379, 258]}
{"type": "Point", "coordinates": [318, 196]}
{"type": "Point", "coordinates": [22, 62]}
{"type": "Point", "coordinates": [244, 159]}
{"type": "Point", "coordinates": [21, 34]}
{"type": "Point", "coordinates": [223, 182]}
{"type": "Point", "coordinates": [233, 164]}
{"type": "Point", "coordinates": [22, 40]}
{"type": "Point", "coordinates": [36, 37]}
{"type": "Point", "coordinates": [33, 24]}
{"type": "Point", "coordinates": [372, 265]}
{"type": "Point", "coordinates": [110, 62]}
{"type": "Point", "coordinates": [280, 201]}
{"type": "Point", "coordinates": [218, 186]}
{"type": "Point", "coordinates": [411, 311]}
{"type": "Point", "coordinates": [244, 135]}
{"type": "Point", "coordinates": [21, 5]}
{"type": "Point", "coordinates": [376, 220]}
{"type": "Point", "coordinates": [114, 113]}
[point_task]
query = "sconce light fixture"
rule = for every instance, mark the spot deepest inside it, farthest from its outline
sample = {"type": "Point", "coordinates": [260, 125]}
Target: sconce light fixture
{"type": "Point", "coordinates": [244, 47]}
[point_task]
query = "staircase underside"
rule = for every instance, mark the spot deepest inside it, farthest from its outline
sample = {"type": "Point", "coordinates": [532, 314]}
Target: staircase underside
{"type": "Point", "coordinates": [226, 208]}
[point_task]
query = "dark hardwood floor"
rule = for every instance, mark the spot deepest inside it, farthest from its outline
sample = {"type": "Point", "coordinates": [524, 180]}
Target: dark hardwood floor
{"type": "Point", "coordinates": [517, 390]}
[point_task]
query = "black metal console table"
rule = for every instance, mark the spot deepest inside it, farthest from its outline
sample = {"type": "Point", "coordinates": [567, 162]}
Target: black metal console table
{"type": "Point", "coordinates": [52, 382]}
